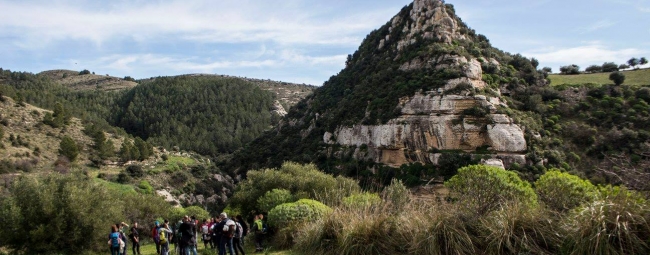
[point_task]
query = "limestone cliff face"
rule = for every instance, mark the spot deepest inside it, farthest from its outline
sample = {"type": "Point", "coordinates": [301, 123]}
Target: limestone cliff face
{"type": "Point", "coordinates": [431, 122]}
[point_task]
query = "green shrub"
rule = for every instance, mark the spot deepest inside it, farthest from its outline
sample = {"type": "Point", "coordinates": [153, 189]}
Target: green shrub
{"type": "Point", "coordinates": [145, 187]}
{"type": "Point", "coordinates": [484, 188]}
{"type": "Point", "coordinates": [135, 171]}
{"type": "Point", "coordinates": [563, 191]}
{"type": "Point", "coordinates": [299, 211]}
{"type": "Point", "coordinates": [614, 223]}
{"type": "Point", "coordinates": [68, 148]}
{"type": "Point", "coordinates": [57, 213]}
{"type": "Point", "coordinates": [274, 198]}
{"type": "Point", "coordinates": [362, 200]}
{"type": "Point", "coordinates": [300, 180]}
{"type": "Point", "coordinates": [198, 212]}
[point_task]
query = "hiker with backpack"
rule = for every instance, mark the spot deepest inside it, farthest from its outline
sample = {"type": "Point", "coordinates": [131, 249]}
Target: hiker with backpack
{"type": "Point", "coordinates": [187, 231]}
{"type": "Point", "coordinates": [227, 228]}
{"type": "Point", "coordinates": [156, 238]}
{"type": "Point", "coordinates": [135, 239]}
{"type": "Point", "coordinates": [206, 236]}
{"type": "Point", "coordinates": [216, 235]}
{"type": "Point", "coordinates": [240, 231]}
{"type": "Point", "coordinates": [114, 241]}
{"type": "Point", "coordinates": [164, 235]}
{"type": "Point", "coordinates": [260, 231]}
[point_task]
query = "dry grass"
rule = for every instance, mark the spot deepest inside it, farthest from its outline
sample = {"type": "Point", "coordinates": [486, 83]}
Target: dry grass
{"type": "Point", "coordinates": [26, 122]}
{"type": "Point", "coordinates": [73, 80]}
{"type": "Point", "coordinates": [635, 77]}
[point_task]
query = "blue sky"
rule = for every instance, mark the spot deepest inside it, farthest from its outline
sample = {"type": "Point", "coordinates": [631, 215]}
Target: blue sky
{"type": "Point", "coordinates": [302, 41]}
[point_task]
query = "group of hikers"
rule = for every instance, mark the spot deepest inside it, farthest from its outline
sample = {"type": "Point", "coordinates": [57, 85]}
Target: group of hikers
{"type": "Point", "coordinates": [222, 233]}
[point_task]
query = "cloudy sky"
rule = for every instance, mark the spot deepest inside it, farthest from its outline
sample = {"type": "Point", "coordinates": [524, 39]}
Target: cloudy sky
{"type": "Point", "coordinates": [302, 41]}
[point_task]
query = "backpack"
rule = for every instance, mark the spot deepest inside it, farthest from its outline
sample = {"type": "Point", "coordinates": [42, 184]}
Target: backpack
{"type": "Point", "coordinates": [162, 237]}
{"type": "Point", "coordinates": [154, 233]}
{"type": "Point", "coordinates": [229, 230]}
{"type": "Point", "coordinates": [115, 240]}
{"type": "Point", "coordinates": [239, 231]}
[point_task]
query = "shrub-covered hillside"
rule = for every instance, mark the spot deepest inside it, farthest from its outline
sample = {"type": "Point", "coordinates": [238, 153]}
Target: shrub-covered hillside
{"type": "Point", "coordinates": [209, 115]}
{"type": "Point", "coordinates": [380, 74]}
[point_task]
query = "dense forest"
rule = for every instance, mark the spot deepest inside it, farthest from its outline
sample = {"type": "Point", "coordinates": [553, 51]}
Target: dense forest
{"type": "Point", "coordinates": [208, 115]}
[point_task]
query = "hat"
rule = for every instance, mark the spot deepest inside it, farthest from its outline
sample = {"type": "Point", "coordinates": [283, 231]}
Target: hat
{"type": "Point", "coordinates": [157, 223]}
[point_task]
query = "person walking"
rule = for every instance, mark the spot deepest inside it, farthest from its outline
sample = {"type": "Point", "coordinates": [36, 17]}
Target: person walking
{"type": "Point", "coordinates": [227, 228]}
{"type": "Point", "coordinates": [135, 239]}
{"type": "Point", "coordinates": [187, 232]}
{"type": "Point", "coordinates": [237, 240]}
{"type": "Point", "coordinates": [166, 235]}
{"type": "Point", "coordinates": [114, 240]}
{"type": "Point", "coordinates": [155, 236]}
{"type": "Point", "coordinates": [258, 228]}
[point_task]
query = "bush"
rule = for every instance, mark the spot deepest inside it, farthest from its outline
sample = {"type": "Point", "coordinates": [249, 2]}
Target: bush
{"type": "Point", "coordinates": [84, 72]}
{"type": "Point", "coordinates": [57, 213]}
{"type": "Point", "coordinates": [362, 200]}
{"type": "Point", "coordinates": [594, 69]}
{"type": "Point", "coordinates": [614, 223]}
{"type": "Point", "coordinates": [68, 148]}
{"type": "Point", "coordinates": [485, 188]}
{"type": "Point", "coordinates": [617, 77]}
{"type": "Point", "coordinates": [198, 212]}
{"type": "Point", "coordinates": [609, 67]}
{"type": "Point", "coordinates": [135, 171]}
{"type": "Point", "coordinates": [145, 187]}
{"type": "Point", "coordinates": [296, 178]}
{"type": "Point", "coordinates": [296, 212]}
{"type": "Point", "coordinates": [562, 191]}
{"type": "Point", "coordinates": [274, 198]}
{"type": "Point", "coordinates": [571, 69]}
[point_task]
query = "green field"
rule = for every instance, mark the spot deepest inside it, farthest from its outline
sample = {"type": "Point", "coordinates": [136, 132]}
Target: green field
{"type": "Point", "coordinates": [636, 77]}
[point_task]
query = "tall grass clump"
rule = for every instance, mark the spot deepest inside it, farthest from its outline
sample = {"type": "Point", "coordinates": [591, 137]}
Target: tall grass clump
{"type": "Point", "coordinates": [614, 223]}
{"type": "Point", "coordinates": [440, 231]}
{"type": "Point", "coordinates": [362, 231]}
{"type": "Point", "coordinates": [517, 229]}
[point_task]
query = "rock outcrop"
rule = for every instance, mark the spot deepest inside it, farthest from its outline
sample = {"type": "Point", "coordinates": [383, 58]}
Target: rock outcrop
{"type": "Point", "coordinates": [433, 122]}
{"type": "Point", "coordinates": [428, 19]}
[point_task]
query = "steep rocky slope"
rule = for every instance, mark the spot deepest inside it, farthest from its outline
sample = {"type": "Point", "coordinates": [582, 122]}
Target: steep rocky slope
{"type": "Point", "coordinates": [422, 88]}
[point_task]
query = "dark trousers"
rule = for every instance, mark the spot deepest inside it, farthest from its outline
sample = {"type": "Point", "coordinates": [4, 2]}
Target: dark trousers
{"type": "Point", "coordinates": [136, 248]}
{"type": "Point", "coordinates": [115, 250]}
{"type": "Point", "coordinates": [224, 243]}
{"type": "Point", "coordinates": [237, 242]}
{"type": "Point", "coordinates": [158, 248]}
{"type": "Point", "coordinates": [259, 239]}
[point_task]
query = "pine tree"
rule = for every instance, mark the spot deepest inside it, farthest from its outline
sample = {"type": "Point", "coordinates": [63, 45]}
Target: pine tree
{"type": "Point", "coordinates": [68, 148]}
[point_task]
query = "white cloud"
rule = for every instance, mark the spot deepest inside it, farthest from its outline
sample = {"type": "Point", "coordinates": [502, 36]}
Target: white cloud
{"type": "Point", "coordinates": [591, 53]}
{"type": "Point", "coordinates": [597, 26]}
{"type": "Point", "coordinates": [228, 21]}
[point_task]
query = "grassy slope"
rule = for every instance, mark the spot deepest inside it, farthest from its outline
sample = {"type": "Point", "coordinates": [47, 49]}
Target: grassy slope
{"type": "Point", "coordinates": [636, 77]}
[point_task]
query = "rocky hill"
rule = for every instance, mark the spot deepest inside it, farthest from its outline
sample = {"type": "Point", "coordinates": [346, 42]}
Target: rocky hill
{"type": "Point", "coordinates": [77, 81]}
{"type": "Point", "coordinates": [424, 88]}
